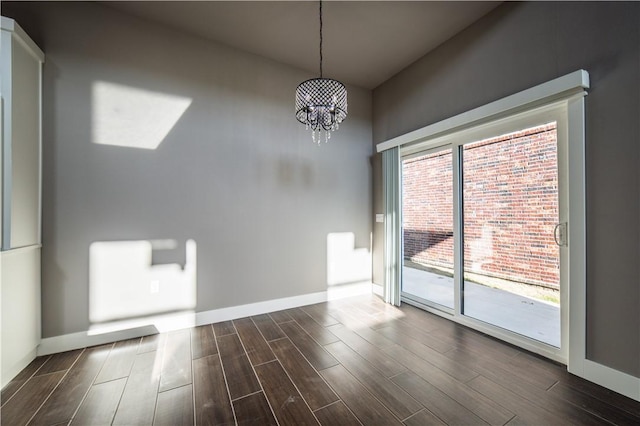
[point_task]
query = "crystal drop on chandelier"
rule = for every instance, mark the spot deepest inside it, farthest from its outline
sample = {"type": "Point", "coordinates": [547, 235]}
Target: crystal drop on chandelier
{"type": "Point", "coordinates": [321, 104]}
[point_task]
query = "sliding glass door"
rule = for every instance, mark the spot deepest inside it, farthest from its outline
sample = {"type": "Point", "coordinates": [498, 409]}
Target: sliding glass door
{"type": "Point", "coordinates": [483, 230]}
{"type": "Point", "coordinates": [510, 211]}
{"type": "Point", "coordinates": [427, 205]}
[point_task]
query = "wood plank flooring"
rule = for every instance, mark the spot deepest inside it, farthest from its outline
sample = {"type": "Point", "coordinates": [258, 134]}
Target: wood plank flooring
{"type": "Point", "coordinates": [355, 361]}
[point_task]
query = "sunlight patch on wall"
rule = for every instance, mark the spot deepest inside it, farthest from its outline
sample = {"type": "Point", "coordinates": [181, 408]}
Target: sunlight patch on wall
{"type": "Point", "coordinates": [125, 285]}
{"type": "Point", "coordinates": [132, 117]}
{"type": "Point", "coordinates": [345, 262]}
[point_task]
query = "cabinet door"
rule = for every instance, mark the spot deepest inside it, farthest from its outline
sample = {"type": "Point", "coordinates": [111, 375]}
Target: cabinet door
{"type": "Point", "coordinates": [25, 148]}
{"type": "Point", "coordinates": [21, 69]}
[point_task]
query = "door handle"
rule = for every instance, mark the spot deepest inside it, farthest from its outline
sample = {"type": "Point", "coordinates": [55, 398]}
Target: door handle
{"type": "Point", "coordinates": [560, 234]}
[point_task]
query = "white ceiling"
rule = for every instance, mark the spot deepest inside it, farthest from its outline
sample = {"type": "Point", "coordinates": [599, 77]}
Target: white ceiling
{"type": "Point", "coordinates": [365, 42]}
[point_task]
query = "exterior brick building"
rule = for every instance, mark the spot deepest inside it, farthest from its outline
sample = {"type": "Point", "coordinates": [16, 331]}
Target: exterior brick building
{"type": "Point", "coordinates": [510, 199]}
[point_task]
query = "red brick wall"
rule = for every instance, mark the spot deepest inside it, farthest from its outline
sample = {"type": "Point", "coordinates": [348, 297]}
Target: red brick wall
{"type": "Point", "coordinates": [427, 210]}
{"type": "Point", "coordinates": [510, 207]}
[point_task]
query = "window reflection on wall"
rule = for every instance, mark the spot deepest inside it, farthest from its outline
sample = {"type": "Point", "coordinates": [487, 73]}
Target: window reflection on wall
{"type": "Point", "coordinates": [124, 283]}
{"type": "Point", "coordinates": [133, 117]}
{"type": "Point", "coordinates": [346, 263]}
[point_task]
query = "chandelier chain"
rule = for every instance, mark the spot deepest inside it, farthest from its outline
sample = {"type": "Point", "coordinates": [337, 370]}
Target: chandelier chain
{"type": "Point", "coordinates": [320, 38]}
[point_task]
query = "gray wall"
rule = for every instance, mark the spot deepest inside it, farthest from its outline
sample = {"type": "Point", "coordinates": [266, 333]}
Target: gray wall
{"type": "Point", "coordinates": [520, 45]}
{"type": "Point", "coordinates": [237, 173]}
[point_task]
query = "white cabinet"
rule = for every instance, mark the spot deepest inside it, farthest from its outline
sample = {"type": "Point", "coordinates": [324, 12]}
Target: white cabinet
{"type": "Point", "coordinates": [20, 201]}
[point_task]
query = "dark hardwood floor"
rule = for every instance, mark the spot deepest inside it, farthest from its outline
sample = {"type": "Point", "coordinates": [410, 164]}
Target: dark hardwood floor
{"type": "Point", "coordinates": [348, 362]}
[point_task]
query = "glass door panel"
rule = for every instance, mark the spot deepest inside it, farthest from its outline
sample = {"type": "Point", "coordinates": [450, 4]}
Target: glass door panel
{"type": "Point", "coordinates": [427, 220]}
{"type": "Point", "coordinates": [510, 213]}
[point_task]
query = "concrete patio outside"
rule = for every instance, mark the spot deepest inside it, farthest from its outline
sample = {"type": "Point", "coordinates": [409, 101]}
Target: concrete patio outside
{"type": "Point", "coordinates": [529, 317]}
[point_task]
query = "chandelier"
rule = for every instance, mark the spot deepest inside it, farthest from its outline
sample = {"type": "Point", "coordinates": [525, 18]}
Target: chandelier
{"type": "Point", "coordinates": [321, 103]}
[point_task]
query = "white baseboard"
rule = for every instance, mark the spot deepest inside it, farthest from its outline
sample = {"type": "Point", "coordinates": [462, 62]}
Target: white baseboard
{"type": "Point", "coordinates": [122, 330]}
{"type": "Point", "coordinates": [14, 370]}
{"type": "Point", "coordinates": [332, 293]}
{"type": "Point", "coordinates": [614, 380]}
{"type": "Point", "coordinates": [377, 289]}
{"type": "Point", "coordinates": [84, 339]}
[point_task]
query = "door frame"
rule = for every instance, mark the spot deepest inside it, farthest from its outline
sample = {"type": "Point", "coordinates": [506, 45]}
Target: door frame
{"type": "Point", "coordinates": [555, 112]}
{"type": "Point", "coordinates": [567, 92]}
